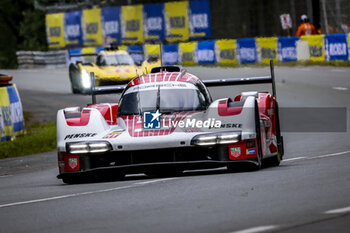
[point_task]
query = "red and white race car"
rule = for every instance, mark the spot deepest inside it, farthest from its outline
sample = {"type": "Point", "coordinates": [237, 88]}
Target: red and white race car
{"type": "Point", "coordinates": [166, 122]}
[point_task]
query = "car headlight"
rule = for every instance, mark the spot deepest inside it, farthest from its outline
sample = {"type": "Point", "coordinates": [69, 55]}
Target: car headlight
{"type": "Point", "coordinates": [87, 147]}
{"type": "Point", "coordinates": [211, 139]}
{"type": "Point", "coordinates": [85, 79]}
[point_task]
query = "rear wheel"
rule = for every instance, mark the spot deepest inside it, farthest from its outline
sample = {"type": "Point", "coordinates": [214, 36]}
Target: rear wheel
{"type": "Point", "coordinates": [279, 137]}
{"type": "Point", "coordinates": [258, 139]}
{"type": "Point", "coordinates": [73, 179]}
{"type": "Point", "coordinates": [274, 161]}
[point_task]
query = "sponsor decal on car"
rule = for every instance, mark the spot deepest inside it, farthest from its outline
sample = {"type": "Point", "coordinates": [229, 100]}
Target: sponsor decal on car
{"type": "Point", "coordinates": [235, 151]}
{"type": "Point", "coordinates": [113, 134]}
{"type": "Point", "coordinates": [61, 164]}
{"type": "Point", "coordinates": [251, 151]}
{"type": "Point", "coordinates": [79, 135]}
{"type": "Point", "coordinates": [73, 162]}
{"type": "Point", "coordinates": [231, 125]}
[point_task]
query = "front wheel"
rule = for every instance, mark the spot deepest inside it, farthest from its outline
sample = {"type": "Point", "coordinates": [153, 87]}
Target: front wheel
{"type": "Point", "coordinates": [74, 77]}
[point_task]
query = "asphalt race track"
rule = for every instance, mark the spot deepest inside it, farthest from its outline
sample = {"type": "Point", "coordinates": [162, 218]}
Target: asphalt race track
{"type": "Point", "coordinates": [308, 192]}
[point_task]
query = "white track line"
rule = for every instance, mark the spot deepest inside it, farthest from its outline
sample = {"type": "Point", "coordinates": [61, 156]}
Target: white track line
{"type": "Point", "coordinates": [340, 88]}
{"type": "Point", "coordinates": [292, 159]}
{"type": "Point", "coordinates": [338, 70]}
{"type": "Point", "coordinates": [83, 193]}
{"type": "Point", "coordinates": [316, 157]}
{"type": "Point", "coordinates": [339, 211]}
{"type": "Point", "coordinates": [155, 181]}
{"type": "Point", "coordinates": [329, 155]}
{"type": "Point", "coordinates": [257, 229]}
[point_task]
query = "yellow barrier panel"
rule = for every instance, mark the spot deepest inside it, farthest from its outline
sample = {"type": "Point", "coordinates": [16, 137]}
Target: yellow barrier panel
{"type": "Point", "coordinates": [55, 30]}
{"type": "Point", "coordinates": [152, 49]}
{"type": "Point", "coordinates": [349, 45]}
{"type": "Point", "coordinates": [86, 59]}
{"type": "Point", "coordinates": [91, 24]}
{"type": "Point", "coordinates": [316, 47]}
{"type": "Point", "coordinates": [226, 52]}
{"type": "Point", "coordinates": [176, 20]}
{"type": "Point", "coordinates": [132, 24]}
{"type": "Point", "coordinates": [6, 126]}
{"type": "Point", "coordinates": [187, 53]}
{"type": "Point", "coordinates": [123, 47]}
{"type": "Point", "coordinates": [267, 49]}
{"type": "Point", "coordinates": [11, 113]}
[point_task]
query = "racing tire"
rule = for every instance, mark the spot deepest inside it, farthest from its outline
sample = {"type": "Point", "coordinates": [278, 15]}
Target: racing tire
{"type": "Point", "coordinates": [274, 161]}
{"type": "Point", "coordinates": [74, 76]}
{"type": "Point", "coordinates": [258, 164]}
{"type": "Point", "coordinates": [257, 161]}
{"type": "Point", "coordinates": [279, 137]}
{"type": "Point", "coordinates": [73, 179]}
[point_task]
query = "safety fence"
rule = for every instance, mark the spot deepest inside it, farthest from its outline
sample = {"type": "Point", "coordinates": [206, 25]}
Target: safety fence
{"type": "Point", "coordinates": [37, 59]}
{"type": "Point", "coordinates": [11, 113]}
{"type": "Point", "coordinates": [240, 51]}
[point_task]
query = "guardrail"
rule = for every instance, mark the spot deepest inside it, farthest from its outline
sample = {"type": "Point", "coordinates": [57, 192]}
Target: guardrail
{"type": "Point", "coordinates": [38, 59]}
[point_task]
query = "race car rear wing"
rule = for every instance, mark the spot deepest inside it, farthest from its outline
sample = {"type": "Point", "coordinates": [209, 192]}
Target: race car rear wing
{"type": "Point", "coordinates": [244, 80]}
{"type": "Point", "coordinates": [101, 90]}
{"type": "Point", "coordinates": [81, 54]}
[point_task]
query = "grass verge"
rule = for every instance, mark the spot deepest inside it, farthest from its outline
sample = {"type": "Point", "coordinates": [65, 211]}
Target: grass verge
{"type": "Point", "coordinates": [39, 137]}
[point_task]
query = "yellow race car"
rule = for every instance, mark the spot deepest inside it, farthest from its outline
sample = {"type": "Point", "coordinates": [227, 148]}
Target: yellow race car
{"type": "Point", "coordinates": [110, 68]}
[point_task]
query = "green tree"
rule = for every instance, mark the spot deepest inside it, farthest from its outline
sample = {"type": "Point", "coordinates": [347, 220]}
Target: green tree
{"type": "Point", "coordinates": [21, 27]}
{"type": "Point", "coordinates": [32, 30]}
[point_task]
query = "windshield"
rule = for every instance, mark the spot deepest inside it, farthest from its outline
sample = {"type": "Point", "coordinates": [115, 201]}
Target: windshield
{"type": "Point", "coordinates": [166, 97]}
{"type": "Point", "coordinates": [117, 59]}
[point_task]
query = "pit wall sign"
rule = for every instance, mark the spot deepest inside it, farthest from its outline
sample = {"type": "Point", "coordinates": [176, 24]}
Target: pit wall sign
{"type": "Point", "coordinates": [316, 47]}
{"type": "Point", "coordinates": [55, 30]}
{"type": "Point", "coordinates": [336, 47]}
{"type": "Point", "coordinates": [226, 52]}
{"type": "Point", "coordinates": [132, 24]}
{"type": "Point", "coordinates": [240, 51]}
{"type": "Point", "coordinates": [73, 33]}
{"type": "Point", "coordinates": [176, 20]}
{"type": "Point", "coordinates": [11, 113]}
{"type": "Point", "coordinates": [267, 49]}
{"type": "Point", "coordinates": [91, 24]}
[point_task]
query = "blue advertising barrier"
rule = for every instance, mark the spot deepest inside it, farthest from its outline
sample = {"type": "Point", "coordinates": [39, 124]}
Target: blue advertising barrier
{"type": "Point", "coordinates": [136, 52]}
{"type": "Point", "coordinates": [11, 113]}
{"type": "Point", "coordinates": [246, 51]}
{"type": "Point", "coordinates": [73, 33]}
{"type": "Point", "coordinates": [153, 20]}
{"type": "Point", "coordinates": [287, 49]}
{"type": "Point", "coordinates": [205, 52]}
{"type": "Point", "coordinates": [336, 47]}
{"type": "Point", "coordinates": [110, 18]}
{"type": "Point", "coordinates": [199, 20]}
{"type": "Point", "coordinates": [170, 54]}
